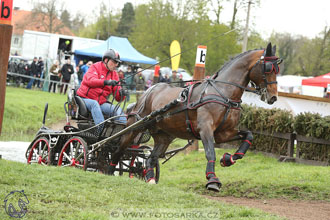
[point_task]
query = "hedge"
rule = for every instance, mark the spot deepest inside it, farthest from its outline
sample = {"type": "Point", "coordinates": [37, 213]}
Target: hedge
{"type": "Point", "coordinates": [271, 121]}
{"type": "Point", "coordinates": [313, 125]}
{"type": "Point", "coordinates": [282, 121]}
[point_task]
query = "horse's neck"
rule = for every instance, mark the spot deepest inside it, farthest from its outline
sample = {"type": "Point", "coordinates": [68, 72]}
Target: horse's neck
{"type": "Point", "coordinates": [237, 73]}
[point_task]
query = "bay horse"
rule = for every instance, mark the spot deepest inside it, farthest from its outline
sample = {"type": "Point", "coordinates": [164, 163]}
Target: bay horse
{"type": "Point", "coordinates": [210, 111]}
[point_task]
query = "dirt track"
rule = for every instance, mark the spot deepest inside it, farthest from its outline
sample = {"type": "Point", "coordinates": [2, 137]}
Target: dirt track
{"type": "Point", "coordinates": [291, 209]}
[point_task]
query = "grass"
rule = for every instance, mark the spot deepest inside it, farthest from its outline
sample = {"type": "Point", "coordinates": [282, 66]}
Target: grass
{"type": "Point", "coordinates": [24, 112]}
{"type": "Point", "coordinates": [68, 193]}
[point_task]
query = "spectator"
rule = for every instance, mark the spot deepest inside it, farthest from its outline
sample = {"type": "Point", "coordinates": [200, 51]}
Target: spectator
{"type": "Point", "coordinates": [27, 71]}
{"type": "Point", "coordinates": [181, 81]}
{"type": "Point", "coordinates": [33, 72]}
{"type": "Point", "coordinates": [66, 71]}
{"type": "Point", "coordinates": [140, 83]}
{"type": "Point", "coordinates": [175, 79]}
{"type": "Point", "coordinates": [85, 68]}
{"type": "Point", "coordinates": [99, 82]}
{"type": "Point", "coordinates": [165, 79]}
{"type": "Point", "coordinates": [148, 84]}
{"type": "Point", "coordinates": [80, 71]}
{"type": "Point", "coordinates": [121, 75]}
{"type": "Point", "coordinates": [20, 70]}
{"type": "Point", "coordinates": [74, 81]}
{"type": "Point", "coordinates": [54, 76]}
{"type": "Point", "coordinates": [129, 80]}
{"type": "Point", "coordinates": [40, 71]}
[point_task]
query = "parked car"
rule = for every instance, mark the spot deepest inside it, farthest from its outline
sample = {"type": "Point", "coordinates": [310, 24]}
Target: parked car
{"type": "Point", "coordinates": [167, 70]}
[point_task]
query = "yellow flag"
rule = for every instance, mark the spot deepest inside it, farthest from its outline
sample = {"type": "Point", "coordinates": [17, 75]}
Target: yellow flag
{"type": "Point", "coordinates": [175, 52]}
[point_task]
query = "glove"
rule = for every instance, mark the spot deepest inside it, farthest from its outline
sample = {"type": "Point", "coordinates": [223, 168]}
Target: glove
{"type": "Point", "coordinates": [122, 81]}
{"type": "Point", "coordinates": [123, 93]}
{"type": "Point", "coordinates": [110, 82]}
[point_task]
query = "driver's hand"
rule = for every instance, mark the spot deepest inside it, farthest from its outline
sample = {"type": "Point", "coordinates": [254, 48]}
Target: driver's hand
{"type": "Point", "coordinates": [110, 82]}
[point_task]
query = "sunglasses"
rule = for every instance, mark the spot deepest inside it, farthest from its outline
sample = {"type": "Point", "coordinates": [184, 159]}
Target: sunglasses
{"type": "Point", "coordinates": [116, 61]}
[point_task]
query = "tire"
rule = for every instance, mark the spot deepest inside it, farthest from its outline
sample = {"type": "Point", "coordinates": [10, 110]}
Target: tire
{"type": "Point", "coordinates": [39, 152]}
{"type": "Point", "coordinates": [74, 148]}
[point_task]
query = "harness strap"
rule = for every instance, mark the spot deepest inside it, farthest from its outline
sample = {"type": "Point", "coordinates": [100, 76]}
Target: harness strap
{"type": "Point", "coordinates": [224, 119]}
{"type": "Point", "coordinates": [190, 128]}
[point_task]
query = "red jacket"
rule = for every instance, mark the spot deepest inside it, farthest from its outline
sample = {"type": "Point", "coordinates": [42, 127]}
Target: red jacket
{"type": "Point", "coordinates": [92, 86]}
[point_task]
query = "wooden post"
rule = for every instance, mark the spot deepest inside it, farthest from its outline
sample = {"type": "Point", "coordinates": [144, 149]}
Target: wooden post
{"type": "Point", "coordinates": [199, 74]}
{"type": "Point", "coordinates": [291, 144]}
{"type": "Point", "coordinates": [6, 30]}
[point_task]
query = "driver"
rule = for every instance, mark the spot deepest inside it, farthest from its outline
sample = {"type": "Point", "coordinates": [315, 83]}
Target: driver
{"type": "Point", "coordinates": [98, 83]}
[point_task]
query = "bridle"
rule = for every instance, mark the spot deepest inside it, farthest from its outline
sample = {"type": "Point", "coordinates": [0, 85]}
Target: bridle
{"type": "Point", "coordinates": [268, 65]}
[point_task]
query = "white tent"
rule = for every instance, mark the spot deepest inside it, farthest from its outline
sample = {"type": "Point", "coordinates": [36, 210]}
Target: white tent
{"type": "Point", "coordinates": [290, 83]}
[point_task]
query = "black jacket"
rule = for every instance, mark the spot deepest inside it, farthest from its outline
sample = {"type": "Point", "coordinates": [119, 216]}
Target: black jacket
{"type": "Point", "coordinates": [67, 70]}
{"type": "Point", "coordinates": [40, 67]}
{"type": "Point", "coordinates": [34, 69]}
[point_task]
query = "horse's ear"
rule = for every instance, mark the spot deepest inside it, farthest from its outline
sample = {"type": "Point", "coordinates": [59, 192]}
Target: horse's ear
{"type": "Point", "coordinates": [269, 50]}
{"type": "Point", "coordinates": [274, 50]}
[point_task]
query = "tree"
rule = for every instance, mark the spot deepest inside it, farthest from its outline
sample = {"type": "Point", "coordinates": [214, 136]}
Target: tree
{"type": "Point", "coordinates": [235, 9]}
{"type": "Point", "coordinates": [288, 48]}
{"type": "Point", "coordinates": [77, 24]}
{"type": "Point", "coordinates": [217, 9]}
{"type": "Point", "coordinates": [303, 56]}
{"type": "Point", "coordinates": [159, 23]}
{"type": "Point", "coordinates": [127, 20]}
{"type": "Point", "coordinates": [47, 13]}
{"type": "Point", "coordinates": [65, 18]}
{"type": "Point", "coordinates": [105, 25]}
{"type": "Point", "coordinates": [322, 59]}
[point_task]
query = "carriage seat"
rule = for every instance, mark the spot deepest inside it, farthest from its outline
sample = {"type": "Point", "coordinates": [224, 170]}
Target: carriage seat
{"type": "Point", "coordinates": [83, 111]}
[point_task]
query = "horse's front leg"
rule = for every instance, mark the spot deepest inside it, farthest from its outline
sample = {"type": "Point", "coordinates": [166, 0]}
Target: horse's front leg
{"type": "Point", "coordinates": [228, 159]}
{"type": "Point", "coordinates": [207, 137]}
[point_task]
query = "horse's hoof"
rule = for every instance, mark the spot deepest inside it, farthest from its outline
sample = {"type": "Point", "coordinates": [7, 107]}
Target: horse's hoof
{"type": "Point", "coordinates": [213, 184]}
{"type": "Point", "coordinates": [213, 187]}
{"type": "Point", "coordinates": [151, 181]}
{"type": "Point", "coordinates": [222, 164]}
{"type": "Point", "coordinates": [227, 160]}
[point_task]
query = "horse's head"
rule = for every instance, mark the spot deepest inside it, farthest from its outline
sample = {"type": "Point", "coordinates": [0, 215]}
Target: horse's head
{"type": "Point", "coordinates": [263, 74]}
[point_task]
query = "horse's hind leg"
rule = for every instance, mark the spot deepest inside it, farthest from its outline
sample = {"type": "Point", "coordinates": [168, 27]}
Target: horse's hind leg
{"type": "Point", "coordinates": [162, 141]}
{"type": "Point", "coordinates": [228, 159]}
{"type": "Point", "coordinates": [125, 142]}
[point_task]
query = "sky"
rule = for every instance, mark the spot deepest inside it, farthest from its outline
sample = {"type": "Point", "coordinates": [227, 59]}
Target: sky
{"type": "Point", "coordinates": [298, 17]}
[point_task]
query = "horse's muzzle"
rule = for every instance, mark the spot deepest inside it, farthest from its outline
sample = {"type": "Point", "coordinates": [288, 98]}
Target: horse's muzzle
{"type": "Point", "coordinates": [272, 100]}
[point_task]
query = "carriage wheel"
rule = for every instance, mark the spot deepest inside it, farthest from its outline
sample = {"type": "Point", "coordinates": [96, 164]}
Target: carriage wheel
{"type": "Point", "coordinates": [39, 152]}
{"type": "Point", "coordinates": [74, 153]}
{"type": "Point", "coordinates": [141, 165]}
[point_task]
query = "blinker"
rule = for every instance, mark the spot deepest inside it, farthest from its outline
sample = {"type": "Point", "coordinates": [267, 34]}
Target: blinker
{"type": "Point", "coordinates": [271, 66]}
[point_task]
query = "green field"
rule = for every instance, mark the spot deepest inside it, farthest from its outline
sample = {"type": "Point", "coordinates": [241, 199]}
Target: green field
{"type": "Point", "coordinates": [60, 193]}
{"type": "Point", "coordinates": [24, 112]}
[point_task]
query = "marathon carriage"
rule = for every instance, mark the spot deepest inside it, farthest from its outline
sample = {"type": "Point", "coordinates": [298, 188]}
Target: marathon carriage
{"type": "Point", "coordinates": [88, 146]}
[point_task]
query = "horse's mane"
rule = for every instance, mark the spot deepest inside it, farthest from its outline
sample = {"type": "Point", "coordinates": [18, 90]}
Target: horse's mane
{"type": "Point", "coordinates": [228, 63]}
